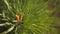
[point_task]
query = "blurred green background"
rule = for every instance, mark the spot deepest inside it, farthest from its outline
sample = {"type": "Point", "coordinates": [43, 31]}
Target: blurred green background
{"type": "Point", "coordinates": [40, 16]}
